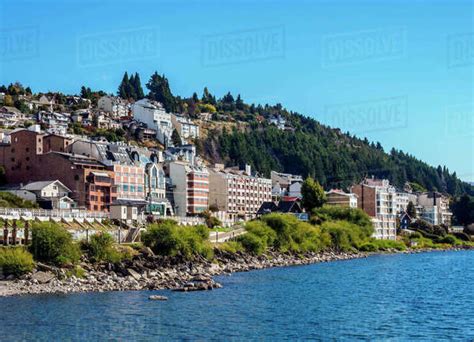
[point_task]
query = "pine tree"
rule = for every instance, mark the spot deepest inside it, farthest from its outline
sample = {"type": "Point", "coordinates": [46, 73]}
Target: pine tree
{"type": "Point", "coordinates": [239, 104]}
{"type": "Point", "coordinates": [123, 87]}
{"type": "Point", "coordinates": [160, 91]}
{"type": "Point", "coordinates": [137, 86]}
{"type": "Point", "coordinates": [175, 138]}
{"type": "Point", "coordinates": [131, 88]}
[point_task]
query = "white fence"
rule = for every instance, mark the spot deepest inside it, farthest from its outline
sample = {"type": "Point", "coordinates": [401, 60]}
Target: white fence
{"type": "Point", "coordinates": [17, 213]}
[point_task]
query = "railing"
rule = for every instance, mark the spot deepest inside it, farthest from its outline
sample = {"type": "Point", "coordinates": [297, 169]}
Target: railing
{"type": "Point", "coordinates": [59, 213]}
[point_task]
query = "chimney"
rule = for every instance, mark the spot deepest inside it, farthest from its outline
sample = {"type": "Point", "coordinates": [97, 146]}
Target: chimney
{"type": "Point", "coordinates": [248, 169]}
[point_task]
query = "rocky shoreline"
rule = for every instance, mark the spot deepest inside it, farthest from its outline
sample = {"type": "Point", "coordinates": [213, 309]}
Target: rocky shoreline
{"type": "Point", "coordinates": [147, 271]}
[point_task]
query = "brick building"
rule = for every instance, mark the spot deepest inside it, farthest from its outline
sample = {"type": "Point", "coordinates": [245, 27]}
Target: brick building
{"type": "Point", "coordinates": [25, 160]}
{"type": "Point", "coordinates": [378, 199]}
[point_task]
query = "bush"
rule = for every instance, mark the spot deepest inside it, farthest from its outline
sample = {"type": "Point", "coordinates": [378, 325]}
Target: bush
{"type": "Point", "coordinates": [383, 245]}
{"type": "Point", "coordinates": [368, 247]}
{"type": "Point", "coordinates": [9, 200]}
{"type": "Point", "coordinates": [52, 243]}
{"type": "Point", "coordinates": [101, 248]}
{"type": "Point", "coordinates": [15, 261]}
{"type": "Point", "coordinates": [450, 240]}
{"type": "Point", "coordinates": [339, 213]}
{"type": "Point", "coordinates": [168, 238]}
{"type": "Point", "coordinates": [462, 236]}
{"type": "Point", "coordinates": [260, 229]}
{"type": "Point", "coordinates": [252, 243]}
{"type": "Point", "coordinates": [231, 246]}
{"type": "Point", "coordinates": [345, 236]}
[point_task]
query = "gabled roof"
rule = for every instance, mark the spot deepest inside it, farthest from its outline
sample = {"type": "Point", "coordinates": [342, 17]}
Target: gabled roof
{"type": "Point", "coordinates": [289, 207]}
{"type": "Point", "coordinates": [266, 208]}
{"type": "Point", "coordinates": [38, 186]}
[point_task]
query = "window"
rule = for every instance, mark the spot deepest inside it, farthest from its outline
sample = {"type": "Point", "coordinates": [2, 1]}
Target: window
{"type": "Point", "coordinates": [27, 149]}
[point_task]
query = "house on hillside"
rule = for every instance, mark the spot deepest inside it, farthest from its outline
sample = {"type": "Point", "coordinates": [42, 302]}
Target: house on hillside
{"type": "Point", "coordinates": [51, 194]}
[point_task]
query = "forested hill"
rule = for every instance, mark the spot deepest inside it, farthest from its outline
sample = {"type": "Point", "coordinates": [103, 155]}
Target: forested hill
{"type": "Point", "coordinates": [305, 147]}
{"type": "Point", "coordinates": [333, 158]}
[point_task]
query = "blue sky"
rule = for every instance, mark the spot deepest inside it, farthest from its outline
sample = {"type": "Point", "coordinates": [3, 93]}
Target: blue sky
{"type": "Point", "coordinates": [398, 72]}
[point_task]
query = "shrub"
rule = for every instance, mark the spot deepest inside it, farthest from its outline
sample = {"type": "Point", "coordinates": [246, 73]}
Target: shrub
{"type": "Point", "coordinates": [9, 200]}
{"type": "Point", "coordinates": [53, 244]}
{"type": "Point", "coordinates": [252, 243]}
{"type": "Point", "coordinates": [368, 247]}
{"type": "Point", "coordinates": [76, 271]}
{"type": "Point", "coordinates": [15, 261]}
{"type": "Point", "coordinates": [231, 246]}
{"type": "Point", "coordinates": [384, 245]}
{"type": "Point", "coordinates": [450, 240]}
{"type": "Point", "coordinates": [101, 247]}
{"type": "Point", "coordinates": [168, 238]}
{"type": "Point", "coordinates": [263, 231]}
{"type": "Point", "coordinates": [345, 236]}
{"type": "Point", "coordinates": [339, 213]}
{"type": "Point", "coordinates": [462, 236]}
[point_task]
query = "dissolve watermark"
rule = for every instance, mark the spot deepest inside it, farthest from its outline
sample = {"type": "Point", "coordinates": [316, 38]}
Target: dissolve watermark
{"type": "Point", "coordinates": [362, 46]}
{"type": "Point", "coordinates": [243, 46]}
{"type": "Point", "coordinates": [371, 115]}
{"type": "Point", "coordinates": [19, 43]}
{"type": "Point", "coordinates": [118, 46]}
{"type": "Point", "coordinates": [460, 50]}
{"type": "Point", "coordinates": [459, 121]}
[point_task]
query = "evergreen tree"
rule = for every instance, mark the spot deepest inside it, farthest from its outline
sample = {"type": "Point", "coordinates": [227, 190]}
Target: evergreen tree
{"type": "Point", "coordinates": [137, 86]}
{"type": "Point", "coordinates": [239, 104]}
{"type": "Point", "coordinates": [124, 86]}
{"type": "Point", "coordinates": [411, 210]}
{"type": "Point", "coordinates": [130, 88]}
{"type": "Point", "coordinates": [160, 91]}
{"type": "Point", "coordinates": [175, 138]}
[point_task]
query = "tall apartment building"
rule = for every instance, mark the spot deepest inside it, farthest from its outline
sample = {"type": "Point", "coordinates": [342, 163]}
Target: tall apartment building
{"type": "Point", "coordinates": [435, 208]}
{"type": "Point", "coordinates": [237, 192]}
{"type": "Point", "coordinates": [190, 184]}
{"type": "Point", "coordinates": [378, 199]}
{"type": "Point", "coordinates": [155, 117]}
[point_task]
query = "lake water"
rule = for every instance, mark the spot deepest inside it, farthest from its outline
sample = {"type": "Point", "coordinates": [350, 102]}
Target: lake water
{"type": "Point", "coordinates": [427, 296]}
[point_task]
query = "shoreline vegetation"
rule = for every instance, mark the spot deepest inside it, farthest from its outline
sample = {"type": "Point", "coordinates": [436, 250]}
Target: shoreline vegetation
{"type": "Point", "coordinates": [182, 258]}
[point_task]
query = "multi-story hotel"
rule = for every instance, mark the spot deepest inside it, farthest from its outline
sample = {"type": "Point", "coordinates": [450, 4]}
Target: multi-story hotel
{"type": "Point", "coordinates": [238, 192]}
{"type": "Point", "coordinates": [190, 184]}
{"type": "Point", "coordinates": [378, 199]}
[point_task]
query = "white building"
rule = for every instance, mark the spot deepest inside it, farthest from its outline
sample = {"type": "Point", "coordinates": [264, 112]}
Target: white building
{"type": "Point", "coordinates": [185, 127]}
{"type": "Point", "coordinates": [237, 192]}
{"type": "Point", "coordinates": [113, 105]}
{"type": "Point", "coordinates": [286, 184]}
{"type": "Point", "coordinates": [154, 116]}
{"type": "Point", "coordinates": [50, 194]}
{"type": "Point", "coordinates": [402, 200]}
{"type": "Point", "coordinates": [278, 121]}
{"type": "Point", "coordinates": [435, 208]}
